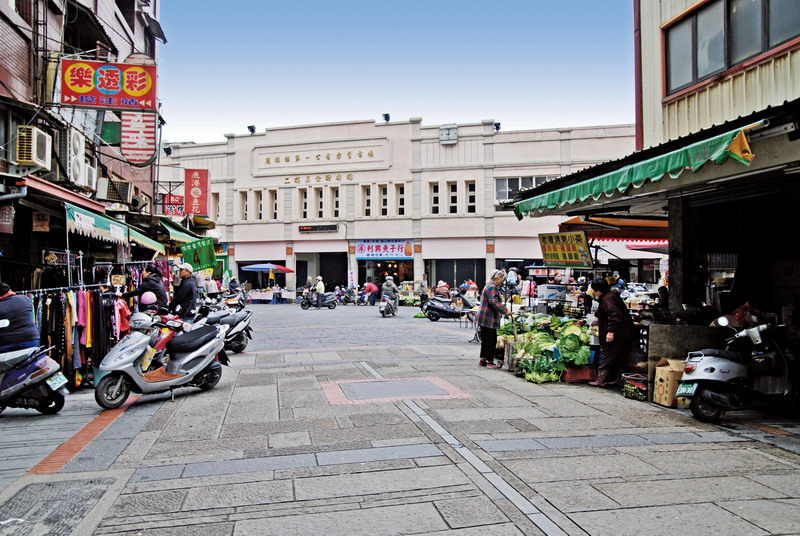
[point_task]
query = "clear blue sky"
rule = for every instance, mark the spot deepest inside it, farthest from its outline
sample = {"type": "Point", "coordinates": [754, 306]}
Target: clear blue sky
{"type": "Point", "coordinates": [524, 63]}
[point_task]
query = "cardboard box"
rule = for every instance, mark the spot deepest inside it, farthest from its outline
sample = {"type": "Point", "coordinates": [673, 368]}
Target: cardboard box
{"type": "Point", "coordinates": [665, 383]}
{"type": "Point", "coordinates": [551, 292]}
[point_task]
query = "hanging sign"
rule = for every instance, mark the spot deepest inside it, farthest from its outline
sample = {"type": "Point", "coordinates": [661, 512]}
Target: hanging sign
{"type": "Point", "coordinates": [114, 86]}
{"type": "Point", "coordinates": [200, 254]}
{"type": "Point", "coordinates": [41, 222]}
{"type": "Point", "coordinates": [7, 219]}
{"type": "Point", "coordinates": [567, 250]}
{"type": "Point", "coordinates": [385, 249]}
{"type": "Point", "coordinates": [138, 142]}
{"type": "Point", "coordinates": [173, 205]}
{"type": "Point", "coordinates": [195, 189]}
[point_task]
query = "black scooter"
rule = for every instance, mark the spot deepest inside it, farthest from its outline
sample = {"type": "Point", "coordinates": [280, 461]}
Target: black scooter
{"type": "Point", "coordinates": [328, 300]}
{"type": "Point", "coordinates": [436, 308]}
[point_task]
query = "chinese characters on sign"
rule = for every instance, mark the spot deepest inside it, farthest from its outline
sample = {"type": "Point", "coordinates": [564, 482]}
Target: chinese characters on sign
{"type": "Point", "coordinates": [313, 157]}
{"type": "Point", "coordinates": [195, 189]}
{"type": "Point", "coordinates": [97, 84]}
{"type": "Point", "coordinates": [569, 250]}
{"type": "Point", "coordinates": [200, 254]}
{"type": "Point", "coordinates": [138, 143]}
{"type": "Point", "coordinates": [328, 177]}
{"type": "Point", "coordinates": [384, 249]}
{"type": "Point", "coordinates": [173, 205]}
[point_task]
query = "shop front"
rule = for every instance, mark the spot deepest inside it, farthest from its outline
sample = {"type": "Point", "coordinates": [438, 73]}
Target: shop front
{"type": "Point", "coordinates": [379, 258]}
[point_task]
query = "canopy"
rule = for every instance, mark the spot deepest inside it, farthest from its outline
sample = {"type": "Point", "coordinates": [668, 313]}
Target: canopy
{"type": "Point", "coordinates": [616, 228]}
{"type": "Point", "coordinates": [178, 233]}
{"type": "Point", "coordinates": [718, 149]}
{"type": "Point", "coordinates": [88, 223]}
{"type": "Point", "coordinates": [138, 238]}
{"type": "Point", "coordinates": [266, 267]}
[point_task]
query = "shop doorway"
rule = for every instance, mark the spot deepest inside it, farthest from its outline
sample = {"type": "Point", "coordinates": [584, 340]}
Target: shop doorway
{"type": "Point", "coordinates": [333, 269]}
{"type": "Point", "coordinates": [456, 271]}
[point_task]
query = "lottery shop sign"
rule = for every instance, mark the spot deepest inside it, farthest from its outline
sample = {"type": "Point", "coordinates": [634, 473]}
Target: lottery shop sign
{"type": "Point", "coordinates": [98, 84]}
{"type": "Point", "coordinates": [173, 205]}
{"type": "Point", "coordinates": [568, 250]}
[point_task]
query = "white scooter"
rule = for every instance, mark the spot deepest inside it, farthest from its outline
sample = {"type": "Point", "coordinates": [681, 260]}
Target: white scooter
{"type": "Point", "coordinates": [193, 359]}
{"type": "Point", "coordinates": [757, 374]}
{"type": "Point", "coordinates": [239, 330]}
{"type": "Point", "coordinates": [387, 306]}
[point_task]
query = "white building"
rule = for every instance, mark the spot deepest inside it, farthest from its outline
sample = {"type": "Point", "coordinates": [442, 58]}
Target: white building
{"type": "Point", "coordinates": [316, 197]}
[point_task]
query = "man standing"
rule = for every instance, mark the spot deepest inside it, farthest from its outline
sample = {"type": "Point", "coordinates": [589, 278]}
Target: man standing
{"type": "Point", "coordinates": [184, 300]}
{"type": "Point", "coordinates": [320, 289]}
{"type": "Point", "coordinates": [617, 331]}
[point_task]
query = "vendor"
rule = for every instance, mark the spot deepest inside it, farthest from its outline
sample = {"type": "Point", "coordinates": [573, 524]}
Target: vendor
{"type": "Point", "coordinates": [617, 331]}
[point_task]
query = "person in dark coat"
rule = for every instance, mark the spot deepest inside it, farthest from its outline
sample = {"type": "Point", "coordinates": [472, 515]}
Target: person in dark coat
{"type": "Point", "coordinates": [184, 300]}
{"type": "Point", "coordinates": [21, 332]}
{"type": "Point", "coordinates": [617, 331]}
{"type": "Point", "coordinates": [151, 281]}
{"type": "Point", "coordinates": [489, 314]}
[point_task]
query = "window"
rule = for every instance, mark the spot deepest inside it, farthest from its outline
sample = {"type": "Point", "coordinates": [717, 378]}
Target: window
{"type": "Point", "coordinates": [471, 198]}
{"type": "Point", "coordinates": [366, 194]}
{"type": "Point", "coordinates": [507, 188]}
{"type": "Point", "coordinates": [272, 204]}
{"type": "Point", "coordinates": [259, 209]}
{"type": "Point", "coordinates": [434, 198]}
{"type": "Point", "coordinates": [243, 206]}
{"type": "Point", "coordinates": [335, 201]}
{"type": "Point", "coordinates": [384, 199]}
{"type": "Point", "coordinates": [452, 197]}
{"type": "Point", "coordinates": [215, 207]}
{"type": "Point", "coordinates": [304, 203]}
{"type": "Point", "coordinates": [318, 202]}
{"type": "Point", "coordinates": [724, 33]}
{"type": "Point", "coordinates": [400, 195]}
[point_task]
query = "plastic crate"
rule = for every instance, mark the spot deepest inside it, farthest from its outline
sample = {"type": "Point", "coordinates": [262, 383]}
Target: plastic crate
{"type": "Point", "coordinates": [635, 386]}
{"type": "Point", "coordinates": [579, 373]}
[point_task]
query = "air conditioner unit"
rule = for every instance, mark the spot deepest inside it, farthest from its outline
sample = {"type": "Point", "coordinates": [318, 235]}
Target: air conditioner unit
{"type": "Point", "coordinates": [90, 177]}
{"type": "Point", "coordinates": [72, 150]}
{"type": "Point", "coordinates": [33, 147]}
{"type": "Point", "coordinates": [114, 190]}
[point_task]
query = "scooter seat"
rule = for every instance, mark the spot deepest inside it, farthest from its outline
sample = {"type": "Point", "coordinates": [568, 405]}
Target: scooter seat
{"type": "Point", "coordinates": [186, 342]}
{"type": "Point", "coordinates": [217, 316]}
{"type": "Point", "coordinates": [9, 360]}
{"type": "Point", "coordinates": [725, 354]}
{"type": "Point", "coordinates": [235, 318]}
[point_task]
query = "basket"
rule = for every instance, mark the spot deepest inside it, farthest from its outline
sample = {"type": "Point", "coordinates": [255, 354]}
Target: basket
{"type": "Point", "coordinates": [580, 373]}
{"type": "Point", "coordinates": [635, 386]}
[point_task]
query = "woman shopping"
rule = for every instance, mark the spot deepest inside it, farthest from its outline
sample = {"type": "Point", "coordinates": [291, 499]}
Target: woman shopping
{"type": "Point", "coordinates": [489, 314]}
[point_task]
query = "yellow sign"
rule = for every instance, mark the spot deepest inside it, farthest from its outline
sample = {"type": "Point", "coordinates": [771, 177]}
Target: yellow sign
{"type": "Point", "coordinates": [568, 250]}
{"type": "Point", "coordinates": [118, 280]}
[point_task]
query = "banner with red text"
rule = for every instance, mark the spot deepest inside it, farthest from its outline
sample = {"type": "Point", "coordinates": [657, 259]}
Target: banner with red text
{"type": "Point", "coordinates": [195, 190]}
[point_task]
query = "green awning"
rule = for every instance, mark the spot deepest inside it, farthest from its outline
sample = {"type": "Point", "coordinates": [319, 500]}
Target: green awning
{"type": "Point", "coordinates": [87, 223]}
{"type": "Point", "coordinates": [138, 238]}
{"type": "Point", "coordinates": [718, 149]}
{"type": "Point", "coordinates": [178, 233]}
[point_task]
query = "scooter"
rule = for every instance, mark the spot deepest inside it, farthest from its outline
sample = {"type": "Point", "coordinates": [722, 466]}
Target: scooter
{"type": "Point", "coordinates": [436, 307]}
{"type": "Point", "coordinates": [756, 372]}
{"type": "Point", "coordinates": [193, 359]}
{"type": "Point", "coordinates": [387, 306]}
{"type": "Point", "coordinates": [328, 300]}
{"type": "Point", "coordinates": [29, 379]}
{"type": "Point", "coordinates": [239, 330]}
{"type": "Point", "coordinates": [349, 296]}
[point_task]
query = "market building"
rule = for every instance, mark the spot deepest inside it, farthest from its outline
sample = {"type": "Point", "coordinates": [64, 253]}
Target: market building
{"type": "Point", "coordinates": [360, 200]}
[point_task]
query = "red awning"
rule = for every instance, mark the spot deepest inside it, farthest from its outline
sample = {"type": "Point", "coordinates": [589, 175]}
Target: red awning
{"type": "Point", "coordinates": [617, 229]}
{"type": "Point", "coordinates": [62, 194]}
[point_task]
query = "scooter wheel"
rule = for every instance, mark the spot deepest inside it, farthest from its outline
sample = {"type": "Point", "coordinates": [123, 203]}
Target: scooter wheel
{"type": "Point", "coordinates": [53, 405]}
{"type": "Point", "coordinates": [433, 317]}
{"type": "Point", "coordinates": [238, 344]}
{"type": "Point", "coordinates": [383, 313]}
{"type": "Point", "coordinates": [304, 305]}
{"type": "Point", "coordinates": [703, 410]}
{"type": "Point", "coordinates": [211, 378]}
{"type": "Point", "coordinates": [332, 305]}
{"type": "Point", "coordinates": [112, 391]}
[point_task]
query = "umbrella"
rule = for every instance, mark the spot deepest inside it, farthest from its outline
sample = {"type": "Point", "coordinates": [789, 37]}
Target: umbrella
{"type": "Point", "coordinates": [266, 267]}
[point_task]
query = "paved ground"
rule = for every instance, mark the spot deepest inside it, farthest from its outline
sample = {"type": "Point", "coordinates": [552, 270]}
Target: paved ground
{"type": "Point", "coordinates": [342, 422]}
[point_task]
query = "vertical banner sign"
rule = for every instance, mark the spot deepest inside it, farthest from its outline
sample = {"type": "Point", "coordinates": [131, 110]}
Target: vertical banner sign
{"type": "Point", "coordinates": [138, 142]}
{"type": "Point", "coordinates": [200, 254]}
{"type": "Point", "coordinates": [195, 189]}
{"type": "Point", "coordinates": [173, 205]}
{"type": "Point", "coordinates": [7, 219]}
{"type": "Point", "coordinates": [566, 250]}
{"type": "Point", "coordinates": [351, 279]}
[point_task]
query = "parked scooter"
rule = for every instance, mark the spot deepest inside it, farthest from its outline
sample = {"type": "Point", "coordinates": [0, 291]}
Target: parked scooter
{"type": "Point", "coordinates": [387, 306]}
{"type": "Point", "coordinates": [349, 296]}
{"type": "Point", "coordinates": [436, 307]}
{"type": "Point", "coordinates": [29, 379]}
{"type": "Point", "coordinates": [239, 330]}
{"type": "Point", "coordinates": [310, 300]}
{"type": "Point", "coordinates": [193, 359]}
{"type": "Point", "coordinates": [237, 300]}
{"type": "Point", "coordinates": [756, 371]}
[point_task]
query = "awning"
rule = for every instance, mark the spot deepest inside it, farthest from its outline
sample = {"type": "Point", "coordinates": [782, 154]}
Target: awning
{"type": "Point", "coordinates": [718, 149]}
{"type": "Point", "coordinates": [617, 229]}
{"type": "Point", "coordinates": [661, 247]}
{"type": "Point", "coordinates": [88, 223]}
{"type": "Point", "coordinates": [155, 27]}
{"type": "Point", "coordinates": [62, 194]}
{"type": "Point", "coordinates": [138, 238]}
{"type": "Point", "coordinates": [178, 233]}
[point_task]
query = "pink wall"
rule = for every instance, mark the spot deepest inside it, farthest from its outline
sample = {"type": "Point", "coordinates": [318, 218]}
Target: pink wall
{"type": "Point", "coordinates": [260, 251]}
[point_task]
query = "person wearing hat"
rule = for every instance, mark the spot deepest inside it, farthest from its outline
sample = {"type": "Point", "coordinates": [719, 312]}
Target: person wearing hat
{"type": "Point", "coordinates": [184, 300]}
{"type": "Point", "coordinates": [618, 283]}
{"type": "Point", "coordinates": [320, 290]}
{"type": "Point", "coordinates": [616, 329]}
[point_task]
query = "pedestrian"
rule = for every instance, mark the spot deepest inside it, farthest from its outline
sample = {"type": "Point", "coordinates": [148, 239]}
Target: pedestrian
{"type": "Point", "coordinates": [21, 332]}
{"type": "Point", "coordinates": [184, 299]}
{"type": "Point", "coordinates": [491, 309]}
{"type": "Point", "coordinates": [319, 288]}
{"type": "Point", "coordinates": [210, 287]}
{"type": "Point", "coordinates": [442, 290]}
{"type": "Point", "coordinates": [371, 290]}
{"type": "Point", "coordinates": [663, 298]}
{"type": "Point", "coordinates": [616, 329]}
{"type": "Point", "coordinates": [151, 282]}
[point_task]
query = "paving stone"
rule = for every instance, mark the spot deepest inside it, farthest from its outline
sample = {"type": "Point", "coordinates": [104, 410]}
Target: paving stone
{"type": "Point", "coordinates": [377, 454]}
{"type": "Point", "coordinates": [391, 389]}
{"type": "Point", "coordinates": [149, 474]}
{"type": "Point", "coordinates": [508, 445]}
{"type": "Point", "coordinates": [592, 441]}
{"type": "Point", "coordinates": [227, 467]}
{"type": "Point", "coordinates": [723, 462]}
{"type": "Point", "coordinates": [686, 490]}
{"type": "Point", "coordinates": [486, 427]}
{"type": "Point", "coordinates": [599, 422]}
{"type": "Point", "coordinates": [251, 378]}
{"type": "Point", "coordinates": [96, 456]}
{"type": "Point", "coordinates": [787, 484]}
{"type": "Point", "coordinates": [777, 517]}
{"type": "Point", "coordinates": [564, 406]}
{"type": "Point", "coordinates": [575, 498]}
{"type": "Point", "coordinates": [691, 437]}
{"type": "Point", "coordinates": [489, 414]}
{"type": "Point", "coordinates": [390, 520]}
{"type": "Point", "coordinates": [301, 399]}
{"type": "Point", "coordinates": [580, 468]}
{"type": "Point", "coordinates": [227, 495]}
{"type": "Point", "coordinates": [470, 512]}
{"type": "Point", "coordinates": [323, 437]}
{"type": "Point", "coordinates": [232, 430]}
{"type": "Point", "coordinates": [143, 504]}
{"type": "Point", "coordinates": [383, 482]}
{"type": "Point", "coordinates": [704, 520]}
{"type": "Point", "coordinates": [379, 419]}
{"type": "Point", "coordinates": [289, 439]}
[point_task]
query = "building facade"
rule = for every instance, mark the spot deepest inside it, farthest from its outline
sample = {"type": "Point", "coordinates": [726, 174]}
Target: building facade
{"type": "Point", "coordinates": [360, 200]}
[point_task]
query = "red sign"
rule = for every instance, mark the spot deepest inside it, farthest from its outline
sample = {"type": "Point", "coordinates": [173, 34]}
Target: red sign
{"type": "Point", "coordinates": [97, 84]}
{"type": "Point", "coordinates": [173, 205]}
{"type": "Point", "coordinates": [138, 137]}
{"type": "Point", "coordinates": [195, 189]}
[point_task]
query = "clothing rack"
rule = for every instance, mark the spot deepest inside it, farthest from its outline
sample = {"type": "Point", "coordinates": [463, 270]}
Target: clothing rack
{"type": "Point", "coordinates": [53, 289]}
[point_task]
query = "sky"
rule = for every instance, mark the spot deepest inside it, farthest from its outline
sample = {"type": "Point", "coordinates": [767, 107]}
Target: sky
{"type": "Point", "coordinates": [524, 63]}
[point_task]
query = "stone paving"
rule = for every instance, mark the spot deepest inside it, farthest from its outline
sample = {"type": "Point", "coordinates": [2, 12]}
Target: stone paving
{"type": "Point", "coordinates": [342, 422]}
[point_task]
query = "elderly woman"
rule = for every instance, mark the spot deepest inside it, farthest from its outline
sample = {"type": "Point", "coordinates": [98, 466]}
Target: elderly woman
{"type": "Point", "coordinates": [489, 314]}
{"type": "Point", "coordinates": [617, 331]}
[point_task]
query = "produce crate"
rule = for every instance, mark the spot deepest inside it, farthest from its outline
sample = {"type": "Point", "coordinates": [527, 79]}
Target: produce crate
{"type": "Point", "coordinates": [580, 373]}
{"type": "Point", "coordinates": [635, 386]}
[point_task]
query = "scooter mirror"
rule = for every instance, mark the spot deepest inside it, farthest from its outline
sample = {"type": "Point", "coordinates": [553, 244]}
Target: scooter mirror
{"type": "Point", "coordinates": [723, 321]}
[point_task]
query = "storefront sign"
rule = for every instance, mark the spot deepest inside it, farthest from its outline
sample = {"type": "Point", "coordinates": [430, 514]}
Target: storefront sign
{"type": "Point", "coordinates": [319, 228]}
{"type": "Point", "coordinates": [7, 219]}
{"type": "Point", "coordinates": [200, 254]}
{"type": "Point", "coordinates": [351, 279]}
{"type": "Point", "coordinates": [138, 143]}
{"type": "Point", "coordinates": [196, 191]}
{"type": "Point", "coordinates": [41, 222]}
{"type": "Point", "coordinates": [385, 249]}
{"type": "Point", "coordinates": [115, 86]}
{"type": "Point", "coordinates": [568, 250]}
{"type": "Point", "coordinates": [328, 177]}
{"type": "Point", "coordinates": [315, 157]}
{"type": "Point", "coordinates": [173, 205]}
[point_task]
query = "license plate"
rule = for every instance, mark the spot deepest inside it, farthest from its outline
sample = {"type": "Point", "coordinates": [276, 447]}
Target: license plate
{"type": "Point", "coordinates": [686, 389]}
{"type": "Point", "coordinates": [56, 381]}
